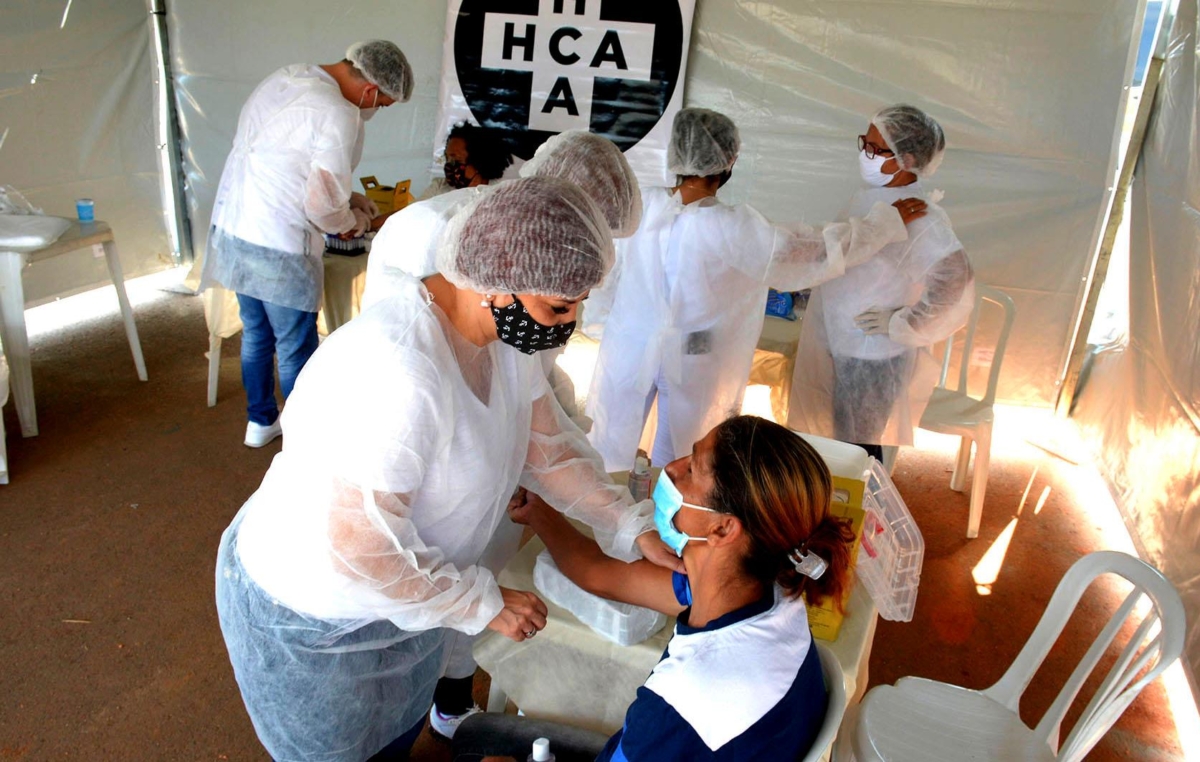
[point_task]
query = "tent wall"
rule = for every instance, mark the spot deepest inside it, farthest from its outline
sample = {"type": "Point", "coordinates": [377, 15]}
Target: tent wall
{"type": "Point", "coordinates": [77, 120]}
{"type": "Point", "coordinates": [1140, 405]}
{"type": "Point", "coordinates": [1029, 92]}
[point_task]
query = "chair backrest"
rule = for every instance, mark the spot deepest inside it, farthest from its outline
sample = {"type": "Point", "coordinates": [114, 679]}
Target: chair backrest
{"type": "Point", "coordinates": [835, 680]}
{"type": "Point", "coordinates": [1004, 301]}
{"type": "Point", "coordinates": [1155, 644]}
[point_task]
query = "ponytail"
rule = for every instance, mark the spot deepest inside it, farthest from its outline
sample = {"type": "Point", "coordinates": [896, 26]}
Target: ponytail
{"type": "Point", "coordinates": [831, 541]}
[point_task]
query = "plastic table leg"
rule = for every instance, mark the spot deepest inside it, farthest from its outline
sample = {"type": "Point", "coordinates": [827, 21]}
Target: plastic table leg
{"type": "Point", "coordinates": [109, 249]}
{"type": "Point", "coordinates": [16, 340]}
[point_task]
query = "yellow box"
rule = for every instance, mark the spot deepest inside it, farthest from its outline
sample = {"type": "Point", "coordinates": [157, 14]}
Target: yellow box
{"type": "Point", "coordinates": [825, 620]}
{"type": "Point", "coordinates": [388, 198]}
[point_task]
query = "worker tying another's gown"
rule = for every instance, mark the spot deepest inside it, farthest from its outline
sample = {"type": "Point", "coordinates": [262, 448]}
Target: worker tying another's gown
{"type": "Point", "coordinates": [689, 298]}
{"type": "Point", "coordinates": [864, 371]}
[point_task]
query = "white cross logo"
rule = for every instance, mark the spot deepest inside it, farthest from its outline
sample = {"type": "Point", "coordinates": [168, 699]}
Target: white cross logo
{"type": "Point", "coordinates": [566, 46]}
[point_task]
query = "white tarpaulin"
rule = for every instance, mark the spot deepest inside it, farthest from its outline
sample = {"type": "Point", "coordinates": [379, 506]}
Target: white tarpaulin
{"type": "Point", "coordinates": [1029, 93]}
{"type": "Point", "coordinates": [534, 68]}
{"type": "Point", "coordinates": [1140, 404]}
{"type": "Point", "coordinates": [77, 121]}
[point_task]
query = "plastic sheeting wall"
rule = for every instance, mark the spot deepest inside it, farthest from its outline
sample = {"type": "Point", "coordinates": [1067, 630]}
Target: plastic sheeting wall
{"type": "Point", "coordinates": [1141, 403]}
{"type": "Point", "coordinates": [1029, 92]}
{"type": "Point", "coordinates": [77, 120]}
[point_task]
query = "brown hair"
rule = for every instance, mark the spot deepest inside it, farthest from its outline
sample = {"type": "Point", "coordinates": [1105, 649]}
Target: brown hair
{"type": "Point", "coordinates": [777, 485]}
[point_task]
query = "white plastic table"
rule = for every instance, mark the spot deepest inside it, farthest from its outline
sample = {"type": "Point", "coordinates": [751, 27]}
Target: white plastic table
{"type": "Point", "coordinates": [99, 237]}
{"type": "Point", "coordinates": [570, 674]}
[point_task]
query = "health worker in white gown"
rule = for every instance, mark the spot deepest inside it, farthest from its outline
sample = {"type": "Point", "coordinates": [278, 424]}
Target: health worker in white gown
{"type": "Point", "coordinates": [691, 294]}
{"type": "Point", "coordinates": [406, 247]}
{"type": "Point", "coordinates": [285, 184]}
{"type": "Point", "coordinates": [864, 370]}
{"type": "Point", "coordinates": [407, 434]}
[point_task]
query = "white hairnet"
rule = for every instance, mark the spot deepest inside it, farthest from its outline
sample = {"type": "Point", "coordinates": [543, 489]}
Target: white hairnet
{"type": "Point", "coordinates": [914, 136]}
{"type": "Point", "coordinates": [536, 235]}
{"type": "Point", "coordinates": [703, 143]}
{"type": "Point", "coordinates": [597, 166]}
{"type": "Point", "coordinates": [384, 65]}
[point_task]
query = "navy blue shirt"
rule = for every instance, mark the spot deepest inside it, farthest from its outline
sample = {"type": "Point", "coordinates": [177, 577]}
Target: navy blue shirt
{"type": "Point", "coordinates": [747, 685]}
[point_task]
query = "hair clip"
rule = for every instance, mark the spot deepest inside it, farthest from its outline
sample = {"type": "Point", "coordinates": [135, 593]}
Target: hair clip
{"type": "Point", "coordinates": [809, 564]}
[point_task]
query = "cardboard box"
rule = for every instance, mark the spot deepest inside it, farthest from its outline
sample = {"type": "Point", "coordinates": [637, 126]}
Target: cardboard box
{"type": "Point", "coordinates": [389, 198]}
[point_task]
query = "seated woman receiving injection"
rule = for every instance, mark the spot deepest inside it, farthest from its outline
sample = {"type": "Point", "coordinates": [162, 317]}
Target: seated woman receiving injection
{"type": "Point", "coordinates": [749, 513]}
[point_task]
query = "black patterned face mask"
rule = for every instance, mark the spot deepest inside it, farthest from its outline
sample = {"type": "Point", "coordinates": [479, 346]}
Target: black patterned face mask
{"type": "Point", "coordinates": [456, 174]}
{"type": "Point", "coordinates": [517, 328]}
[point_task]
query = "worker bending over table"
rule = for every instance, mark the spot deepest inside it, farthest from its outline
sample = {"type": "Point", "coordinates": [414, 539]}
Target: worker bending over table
{"type": "Point", "coordinates": [286, 183]}
{"type": "Point", "coordinates": [406, 436]}
{"type": "Point", "coordinates": [749, 513]}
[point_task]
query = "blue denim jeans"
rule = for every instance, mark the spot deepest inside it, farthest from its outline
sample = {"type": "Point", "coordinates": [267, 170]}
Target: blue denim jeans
{"type": "Point", "coordinates": [269, 330]}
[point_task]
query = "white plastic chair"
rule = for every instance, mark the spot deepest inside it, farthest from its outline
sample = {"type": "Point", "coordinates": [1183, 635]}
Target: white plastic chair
{"type": "Point", "coordinates": [919, 719]}
{"type": "Point", "coordinates": [835, 680]}
{"type": "Point", "coordinates": [953, 411]}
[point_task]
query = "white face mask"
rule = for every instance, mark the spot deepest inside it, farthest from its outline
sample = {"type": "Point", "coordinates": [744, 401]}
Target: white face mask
{"type": "Point", "coordinates": [368, 111]}
{"type": "Point", "coordinates": [871, 170]}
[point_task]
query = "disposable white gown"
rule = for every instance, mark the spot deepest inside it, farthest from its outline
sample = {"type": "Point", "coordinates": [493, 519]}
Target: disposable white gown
{"type": "Point", "coordinates": [287, 180]}
{"type": "Point", "coordinates": [405, 248]}
{"type": "Point", "coordinates": [406, 245]}
{"type": "Point", "coordinates": [393, 478]}
{"type": "Point", "coordinates": [872, 389]}
{"type": "Point", "coordinates": [698, 333]}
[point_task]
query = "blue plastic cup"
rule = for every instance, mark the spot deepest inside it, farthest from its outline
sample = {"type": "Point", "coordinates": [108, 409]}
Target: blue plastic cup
{"type": "Point", "coordinates": [85, 209]}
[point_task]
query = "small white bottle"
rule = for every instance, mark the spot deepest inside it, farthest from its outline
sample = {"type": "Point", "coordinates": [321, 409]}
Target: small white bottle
{"type": "Point", "coordinates": [639, 477]}
{"type": "Point", "coordinates": [541, 751]}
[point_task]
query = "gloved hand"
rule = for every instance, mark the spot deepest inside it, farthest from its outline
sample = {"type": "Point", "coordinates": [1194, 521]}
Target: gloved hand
{"type": "Point", "coordinates": [359, 201]}
{"type": "Point", "coordinates": [362, 223]}
{"type": "Point", "coordinates": [874, 322]}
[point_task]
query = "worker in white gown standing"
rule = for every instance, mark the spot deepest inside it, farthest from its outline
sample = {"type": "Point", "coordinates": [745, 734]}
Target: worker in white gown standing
{"type": "Point", "coordinates": [690, 298]}
{"type": "Point", "coordinates": [864, 370]}
{"type": "Point", "coordinates": [407, 434]}
{"type": "Point", "coordinates": [285, 184]}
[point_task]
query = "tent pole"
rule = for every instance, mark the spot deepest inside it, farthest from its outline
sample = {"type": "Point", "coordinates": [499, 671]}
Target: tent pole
{"type": "Point", "coordinates": [169, 160]}
{"type": "Point", "coordinates": [1079, 346]}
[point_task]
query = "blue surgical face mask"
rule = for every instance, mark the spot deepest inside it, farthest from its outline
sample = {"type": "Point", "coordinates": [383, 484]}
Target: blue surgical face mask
{"type": "Point", "coordinates": [667, 502]}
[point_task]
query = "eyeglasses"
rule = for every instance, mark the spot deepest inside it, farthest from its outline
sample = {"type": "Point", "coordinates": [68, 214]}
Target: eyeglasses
{"type": "Point", "coordinates": [872, 150]}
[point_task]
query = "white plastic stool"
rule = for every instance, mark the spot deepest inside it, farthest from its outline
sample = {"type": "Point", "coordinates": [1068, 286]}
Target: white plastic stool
{"type": "Point", "coordinates": [12, 309]}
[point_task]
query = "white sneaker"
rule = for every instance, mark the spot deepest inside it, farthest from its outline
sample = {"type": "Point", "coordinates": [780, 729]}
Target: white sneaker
{"type": "Point", "coordinates": [445, 725]}
{"type": "Point", "coordinates": [258, 435]}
